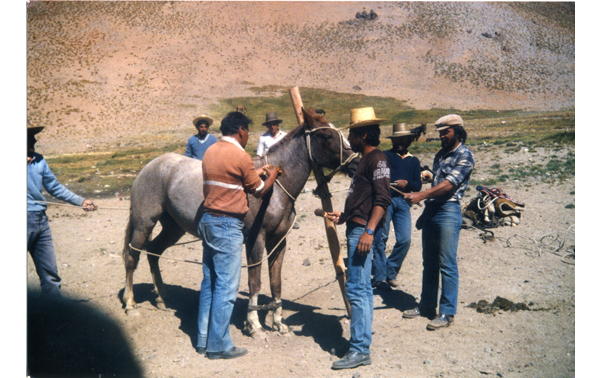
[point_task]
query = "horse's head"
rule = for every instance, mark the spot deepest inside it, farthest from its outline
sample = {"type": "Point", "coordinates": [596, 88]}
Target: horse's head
{"type": "Point", "coordinates": [327, 145]}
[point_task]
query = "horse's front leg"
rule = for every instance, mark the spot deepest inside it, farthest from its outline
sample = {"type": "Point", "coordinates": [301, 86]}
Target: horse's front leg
{"type": "Point", "coordinates": [275, 264]}
{"type": "Point", "coordinates": [254, 256]}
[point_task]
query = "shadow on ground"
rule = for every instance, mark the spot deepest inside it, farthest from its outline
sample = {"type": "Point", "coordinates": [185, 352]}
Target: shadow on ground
{"type": "Point", "coordinates": [67, 338]}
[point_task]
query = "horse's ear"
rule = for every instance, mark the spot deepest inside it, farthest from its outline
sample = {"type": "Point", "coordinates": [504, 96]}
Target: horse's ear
{"type": "Point", "coordinates": [309, 121]}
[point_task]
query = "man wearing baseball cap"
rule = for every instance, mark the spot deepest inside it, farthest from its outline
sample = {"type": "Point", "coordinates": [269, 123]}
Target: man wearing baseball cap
{"type": "Point", "coordinates": [441, 223]}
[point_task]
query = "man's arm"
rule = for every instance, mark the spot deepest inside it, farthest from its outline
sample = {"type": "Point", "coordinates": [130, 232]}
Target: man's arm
{"type": "Point", "coordinates": [271, 173]}
{"type": "Point", "coordinates": [366, 240]}
{"type": "Point", "coordinates": [433, 192]}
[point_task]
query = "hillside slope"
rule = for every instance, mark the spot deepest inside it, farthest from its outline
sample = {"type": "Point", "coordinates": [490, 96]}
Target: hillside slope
{"type": "Point", "coordinates": [99, 72]}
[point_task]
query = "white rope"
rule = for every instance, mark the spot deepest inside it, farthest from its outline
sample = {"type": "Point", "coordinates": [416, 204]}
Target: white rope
{"type": "Point", "coordinates": [200, 263]}
{"type": "Point", "coordinates": [79, 207]}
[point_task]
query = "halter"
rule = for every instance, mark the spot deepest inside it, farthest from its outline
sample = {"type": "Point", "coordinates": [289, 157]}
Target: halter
{"type": "Point", "coordinates": [308, 146]}
{"type": "Point", "coordinates": [343, 163]}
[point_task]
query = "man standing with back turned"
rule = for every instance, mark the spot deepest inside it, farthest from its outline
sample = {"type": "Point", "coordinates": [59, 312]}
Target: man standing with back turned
{"type": "Point", "coordinates": [39, 238]}
{"type": "Point", "coordinates": [365, 208]}
{"type": "Point", "coordinates": [441, 223]}
{"type": "Point", "coordinates": [229, 174]}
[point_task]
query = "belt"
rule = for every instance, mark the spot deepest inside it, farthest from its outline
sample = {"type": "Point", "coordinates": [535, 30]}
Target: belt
{"type": "Point", "coordinates": [359, 220]}
{"type": "Point", "coordinates": [230, 215]}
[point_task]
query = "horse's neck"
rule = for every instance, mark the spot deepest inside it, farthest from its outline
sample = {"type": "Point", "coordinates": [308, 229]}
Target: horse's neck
{"type": "Point", "coordinates": [294, 159]}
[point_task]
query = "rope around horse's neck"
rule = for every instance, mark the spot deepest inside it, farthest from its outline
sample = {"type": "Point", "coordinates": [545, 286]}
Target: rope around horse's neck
{"type": "Point", "coordinates": [280, 185]}
{"type": "Point", "coordinates": [200, 263]}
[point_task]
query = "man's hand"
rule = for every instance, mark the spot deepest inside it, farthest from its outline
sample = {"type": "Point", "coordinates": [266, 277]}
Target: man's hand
{"type": "Point", "coordinates": [400, 184]}
{"type": "Point", "coordinates": [270, 170]}
{"type": "Point", "coordinates": [364, 244]}
{"type": "Point", "coordinates": [88, 205]}
{"type": "Point", "coordinates": [333, 216]}
{"type": "Point", "coordinates": [413, 198]}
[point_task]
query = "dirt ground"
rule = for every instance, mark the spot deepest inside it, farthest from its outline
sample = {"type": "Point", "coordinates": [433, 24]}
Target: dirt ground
{"type": "Point", "coordinates": [538, 342]}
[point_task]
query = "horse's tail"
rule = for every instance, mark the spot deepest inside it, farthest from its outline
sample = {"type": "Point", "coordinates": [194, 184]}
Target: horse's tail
{"type": "Point", "coordinates": [128, 236]}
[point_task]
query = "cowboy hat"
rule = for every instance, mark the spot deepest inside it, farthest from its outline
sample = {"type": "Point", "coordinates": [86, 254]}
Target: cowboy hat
{"type": "Point", "coordinates": [204, 118]}
{"type": "Point", "coordinates": [400, 130]}
{"type": "Point", "coordinates": [272, 117]}
{"type": "Point", "coordinates": [447, 121]}
{"type": "Point", "coordinates": [34, 129]}
{"type": "Point", "coordinates": [363, 117]}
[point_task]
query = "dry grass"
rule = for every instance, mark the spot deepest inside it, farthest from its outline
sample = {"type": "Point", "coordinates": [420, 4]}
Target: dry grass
{"type": "Point", "coordinates": [110, 75]}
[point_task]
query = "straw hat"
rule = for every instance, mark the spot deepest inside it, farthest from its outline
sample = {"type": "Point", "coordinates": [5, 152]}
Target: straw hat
{"type": "Point", "coordinates": [363, 117]}
{"type": "Point", "coordinates": [400, 130]}
{"type": "Point", "coordinates": [272, 117]}
{"type": "Point", "coordinates": [447, 121]}
{"type": "Point", "coordinates": [203, 117]}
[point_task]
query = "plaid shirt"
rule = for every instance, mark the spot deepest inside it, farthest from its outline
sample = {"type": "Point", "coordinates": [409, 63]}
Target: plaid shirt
{"type": "Point", "coordinates": [455, 166]}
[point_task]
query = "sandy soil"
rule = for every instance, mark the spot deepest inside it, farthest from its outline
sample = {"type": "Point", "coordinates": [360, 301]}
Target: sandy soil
{"type": "Point", "coordinates": [529, 343]}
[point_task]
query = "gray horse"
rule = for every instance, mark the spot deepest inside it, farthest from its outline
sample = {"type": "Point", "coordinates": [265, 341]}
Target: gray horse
{"type": "Point", "coordinates": [169, 190]}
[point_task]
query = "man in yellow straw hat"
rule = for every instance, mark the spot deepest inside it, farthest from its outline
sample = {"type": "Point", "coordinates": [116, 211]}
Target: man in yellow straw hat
{"type": "Point", "coordinates": [364, 211]}
{"type": "Point", "coordinates": [405, 177]}
{"type": "Point", "coordinates": [39, 238]}
{"type": "Point", "coordinates": [199, 143]}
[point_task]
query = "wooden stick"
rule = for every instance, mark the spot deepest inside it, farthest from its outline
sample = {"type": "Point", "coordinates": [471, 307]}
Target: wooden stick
{"type": "Point", "coordinates": [332, 237]}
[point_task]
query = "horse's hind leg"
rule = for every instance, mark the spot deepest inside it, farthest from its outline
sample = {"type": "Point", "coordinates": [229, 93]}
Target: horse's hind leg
{"type": "Point", "coordinates": [171, 232]}
{"type": "Point", "coordinates": [275, 264]}
{"type": "Point", "coordinates": [135, 241]}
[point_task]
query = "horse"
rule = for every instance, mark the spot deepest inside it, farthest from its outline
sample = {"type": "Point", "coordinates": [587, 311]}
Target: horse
{"type": "Point", "coordinates": [241, 109]}
{"type": "Point", "coordinates": [169, 190]}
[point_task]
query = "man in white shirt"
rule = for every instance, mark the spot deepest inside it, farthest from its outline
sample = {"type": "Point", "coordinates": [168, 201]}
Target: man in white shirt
{"type": "Point", "coordinates": [272, 136]}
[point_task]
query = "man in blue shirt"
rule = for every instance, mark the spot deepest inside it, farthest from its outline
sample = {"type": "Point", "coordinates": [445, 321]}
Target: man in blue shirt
{"type": "Point", "coordinates": [39, 238]}
{"type": "Point", "coordinates": [405, 177]}
{"type": "Point", "coordinates": [441, 223]}
{"type": "Point", "coordinates": [199, 143]}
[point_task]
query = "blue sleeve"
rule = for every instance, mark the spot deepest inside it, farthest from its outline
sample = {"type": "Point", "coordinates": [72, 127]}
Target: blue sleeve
{"type": "Point", "coordinates": [188, 150]}
{"type": "Point", "coordinates": [53, 187]}
{"type": "Point", "coordinates": [414, 183]}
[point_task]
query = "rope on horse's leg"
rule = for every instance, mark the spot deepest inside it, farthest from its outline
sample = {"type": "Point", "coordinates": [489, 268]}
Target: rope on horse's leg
{"type": "Point", "coordinates": [274, 248]}
{"type": "Point", "coordinates": [161, 256]}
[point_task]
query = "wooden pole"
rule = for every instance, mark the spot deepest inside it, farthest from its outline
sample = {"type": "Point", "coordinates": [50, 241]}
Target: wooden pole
{"type": "Point", "coordinates": [325, 195]}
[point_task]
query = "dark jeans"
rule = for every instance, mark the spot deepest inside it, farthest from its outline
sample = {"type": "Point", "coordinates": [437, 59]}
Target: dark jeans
{"type": "Point", "coordinates": [41, 248]}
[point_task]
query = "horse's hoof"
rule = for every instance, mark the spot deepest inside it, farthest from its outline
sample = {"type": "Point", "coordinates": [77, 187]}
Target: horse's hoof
{"type": "Point", "coordinates": [281, 328]}
{"type": "Point", "coordinates": [259, 334]}
{"type": "Point", "coordinates": [134, 312]}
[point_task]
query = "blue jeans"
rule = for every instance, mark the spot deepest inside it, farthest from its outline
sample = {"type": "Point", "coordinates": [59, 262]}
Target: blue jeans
{"type": "Point", "coordinates": [399, 214]}
{"type": "Point", "coordinates": [441, 228]}
{"type": "Point", "coordinates": [41, 248]}
{"type": "Point", "coordinates": [358, 289]}
{"type": "Point", "coordinates": [222, 241]}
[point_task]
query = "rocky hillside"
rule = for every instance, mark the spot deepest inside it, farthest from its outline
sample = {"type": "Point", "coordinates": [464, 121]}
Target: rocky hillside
{"type": "Point", "coordinates": [101, 72]}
